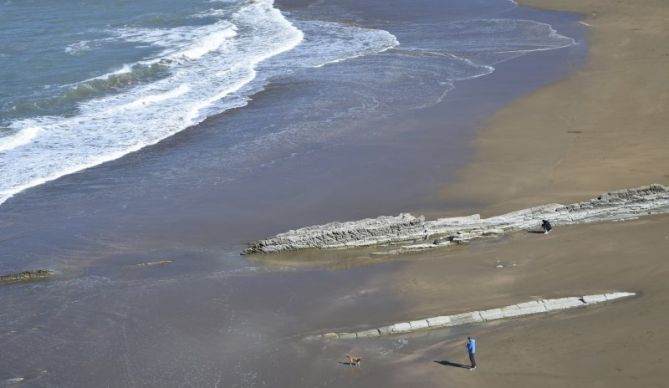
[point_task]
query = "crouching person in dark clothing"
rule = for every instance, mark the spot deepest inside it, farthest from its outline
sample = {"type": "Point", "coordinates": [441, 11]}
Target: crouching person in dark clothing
{"type": "Point", "coordinates": [546, 226]}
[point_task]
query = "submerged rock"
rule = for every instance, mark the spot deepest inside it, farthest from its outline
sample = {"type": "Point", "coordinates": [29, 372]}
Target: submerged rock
{"type": "Point", "coordinates": [25, 276]}
{"type": "Point", "coordinates": [153, 263]}
{"type": "Point", "coordinates": [405, 228]}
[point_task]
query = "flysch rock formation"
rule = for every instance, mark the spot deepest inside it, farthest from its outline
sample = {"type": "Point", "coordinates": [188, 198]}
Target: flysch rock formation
{"type": "Point", "coordinates": [415, 233]}
{"type": "Point", "coordinates": [512, 311]}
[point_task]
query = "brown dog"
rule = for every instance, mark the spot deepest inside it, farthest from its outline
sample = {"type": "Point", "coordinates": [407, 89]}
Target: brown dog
{"type": "Point", "coordinates": [353, 360]}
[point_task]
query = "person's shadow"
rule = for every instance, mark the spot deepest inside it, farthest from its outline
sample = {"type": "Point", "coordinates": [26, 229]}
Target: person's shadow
{"type": "Point", "coordinates": [453, 364]}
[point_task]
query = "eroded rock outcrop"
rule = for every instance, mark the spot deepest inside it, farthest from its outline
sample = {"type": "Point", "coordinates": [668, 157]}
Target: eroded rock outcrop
{"type": "Point", "coordinates": [371, 231]}
{"type": "Point", "coordinates": [416, 233]}
{"type": "Point", "coordinates": [511, 311]}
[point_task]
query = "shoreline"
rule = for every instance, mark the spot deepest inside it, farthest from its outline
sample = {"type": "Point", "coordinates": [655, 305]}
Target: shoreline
{"type": "Point", "coordinates": [169, 197]}
{"type": "Point", "coordinates": [599, 129]}
{"type": "Point", "coordinates": [232, 325]}
{"type": "Point", "coordinates": [562, 143]}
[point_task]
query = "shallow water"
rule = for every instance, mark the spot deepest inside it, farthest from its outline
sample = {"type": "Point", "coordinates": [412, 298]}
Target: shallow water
{"type": "Point", "coordinates": [312, 145]}
{"type": "Point", "coordinates": [172, 70]}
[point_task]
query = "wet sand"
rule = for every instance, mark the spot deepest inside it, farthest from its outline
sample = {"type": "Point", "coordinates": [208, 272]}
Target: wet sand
{"type": "Point", "coordinates": [603, 128]}
{"type": "Point", "coordinates": [616, 345]}
{"type": "Point", "coordinates": [202, 321]}
{"type": "Point", "coordinates": [211, 317]}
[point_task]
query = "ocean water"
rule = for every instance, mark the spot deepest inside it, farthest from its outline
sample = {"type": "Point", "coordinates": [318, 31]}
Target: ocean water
{"type": "Point", "coordinates": [84, 83]}
{"type": "Point", "coordinates": [145, 130]}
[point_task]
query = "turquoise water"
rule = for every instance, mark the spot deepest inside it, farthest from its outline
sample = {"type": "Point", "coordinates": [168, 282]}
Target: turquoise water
{"type": "Point", "coordinates": [48, 48]}
{"type": "Point", "coordinates": [84, 83]}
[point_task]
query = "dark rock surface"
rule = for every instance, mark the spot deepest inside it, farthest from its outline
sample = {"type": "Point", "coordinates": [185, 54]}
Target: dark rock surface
{"type": "Point", "coordinates": [25, 276]}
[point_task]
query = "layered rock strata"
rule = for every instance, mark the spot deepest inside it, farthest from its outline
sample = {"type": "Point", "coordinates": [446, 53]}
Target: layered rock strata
{"type": "Point", "coordinates": [512, 311]}
{"type": "Point", "coordinates": [416, 233]}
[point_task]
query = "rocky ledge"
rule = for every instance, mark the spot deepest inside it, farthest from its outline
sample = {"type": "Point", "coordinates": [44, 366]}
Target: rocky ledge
{"type": "Point", "coordinates": [416, 233]}
{"type": "Point", "coordinates": [25, 276]}
{"type": "Point", "coordinates": [512, 311]}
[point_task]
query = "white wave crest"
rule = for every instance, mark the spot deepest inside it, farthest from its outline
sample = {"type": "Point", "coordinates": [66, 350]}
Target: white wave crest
{"type": "Point", "coordinates": [110, 127]}
{"type": "Point", "coordinates": [76, 48]}
{"type": "Point", "coordinates": [209, 70]}
{"type": "Point", "coordinates": [143, 102]}
{"type": "Point", "coordinates": [208, 44]}
{"type": "Point", "coordinates": [22, 137]}
{"type": "Point", "coordinates": [213, 12]}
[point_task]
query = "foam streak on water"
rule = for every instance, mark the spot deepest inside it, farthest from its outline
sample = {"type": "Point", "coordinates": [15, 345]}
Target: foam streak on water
{"type": "Point", "coordinates": [207, 66]}
{"type": "Point", "coordinates": [19, 138]}
{"type": "Point", "coordinates": [187, 72]}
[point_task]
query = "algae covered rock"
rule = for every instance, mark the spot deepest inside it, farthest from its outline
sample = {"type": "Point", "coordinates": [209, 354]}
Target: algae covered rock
{"type": "Point", "coordinates": [25, 276]}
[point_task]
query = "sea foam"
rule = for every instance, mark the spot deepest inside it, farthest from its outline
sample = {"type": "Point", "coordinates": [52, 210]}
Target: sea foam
{"type": "Point", "coordinates": [22, 137]}
{"type": "Point", "coordinates": [203, 70]}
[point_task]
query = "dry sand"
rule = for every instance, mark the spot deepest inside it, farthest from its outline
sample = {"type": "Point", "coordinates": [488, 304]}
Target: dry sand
{"type": "Point", "coordinates": [622, 344]}
{"type": "Point", "coordinates": [605, 127]}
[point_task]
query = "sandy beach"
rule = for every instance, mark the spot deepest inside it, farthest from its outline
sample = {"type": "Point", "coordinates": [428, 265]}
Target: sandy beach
{"type": "Point", "coordinates": [149, 289]}
{"type": "Point", "coordinates": [602, 128]}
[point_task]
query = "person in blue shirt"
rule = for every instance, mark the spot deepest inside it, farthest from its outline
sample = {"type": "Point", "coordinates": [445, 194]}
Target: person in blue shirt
{"type": "Point", "coordinates": [471, 349]}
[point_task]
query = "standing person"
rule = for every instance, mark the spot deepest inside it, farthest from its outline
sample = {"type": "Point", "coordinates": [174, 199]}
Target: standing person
{"type": "Point", "coordinates": [471, 349]}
